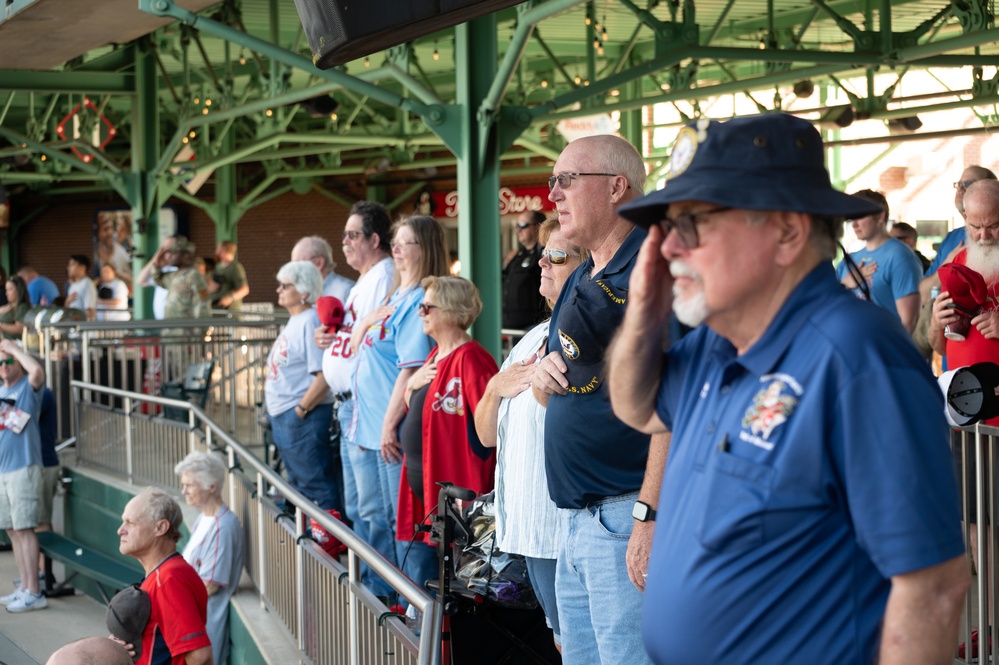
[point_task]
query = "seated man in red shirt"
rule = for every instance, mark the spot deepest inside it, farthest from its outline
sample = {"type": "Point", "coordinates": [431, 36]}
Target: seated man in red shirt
{"type": "Point", "coordinates": [178, 600]}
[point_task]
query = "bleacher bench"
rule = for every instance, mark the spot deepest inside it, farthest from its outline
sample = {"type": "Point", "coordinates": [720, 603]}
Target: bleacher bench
{"type": "Point", "coordinates": [109, 574]}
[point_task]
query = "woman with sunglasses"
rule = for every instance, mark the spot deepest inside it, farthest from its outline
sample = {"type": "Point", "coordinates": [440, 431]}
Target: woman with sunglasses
{"type": "Point", "coordinates": [12, 314]}
{"type": "Point", "coordinates": [391, 346]}
{"type": "Point", "coordinates": [510, 418]}
{"type": "Point", "coordinates": [298, 400]}
{"type": "Point", "coordinates": [438, 433]}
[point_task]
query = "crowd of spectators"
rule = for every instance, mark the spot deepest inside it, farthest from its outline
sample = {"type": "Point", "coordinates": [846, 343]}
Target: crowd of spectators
{"type": "Point", "coordinates": [371, 409]}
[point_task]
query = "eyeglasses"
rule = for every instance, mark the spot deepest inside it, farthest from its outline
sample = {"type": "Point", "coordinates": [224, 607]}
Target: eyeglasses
{"type": "Point", "coordinates": [557, 256]}
{"type": "Point", "coordinates": [7, 361]}
{"type": "Point", "coordinates": [564, 180]}
{"type": "Point", "coordinates": [964, 184]}
{"type": "Point", "coordinates": [8, 400]}
{"type": "Point", "coordinates": [284, 286]}
{"type": "Point", "coordinates": [353, 235]}
{"type": "Point", "coordinates": [425, 307]}
{"type": "Point", "coordinates": [399, 244]}
{"type": "Point", "coordinates": [686, 226]}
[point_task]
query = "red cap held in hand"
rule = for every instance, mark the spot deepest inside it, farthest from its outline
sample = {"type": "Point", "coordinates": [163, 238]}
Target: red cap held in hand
{"type": "Point", "coordinates": [330, 312]}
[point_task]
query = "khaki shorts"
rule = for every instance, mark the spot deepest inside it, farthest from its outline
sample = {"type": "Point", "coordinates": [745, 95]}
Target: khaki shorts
{"type": "Point", "coordinates": [50, 484]}
{"type": "Point", "coordinates": [19, 492]}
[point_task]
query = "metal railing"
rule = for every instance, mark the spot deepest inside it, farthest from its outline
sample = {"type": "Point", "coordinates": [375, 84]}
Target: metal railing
{"type": "Point", "coordinates": [977, 456]}
{"type": "Point", "coordinates": [324, 606]}
{"type": "Point", "coordinates": [140, 356]}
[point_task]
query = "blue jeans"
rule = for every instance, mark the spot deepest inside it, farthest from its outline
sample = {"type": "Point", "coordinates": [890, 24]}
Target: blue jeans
{"type": "Point", "coordinates": [304, 444]}
{"type": "Point", "coordinates": [420, 564]}
{"type": "Point", "coordinates": [599, 609]}
{"type": "Point", "coordinates": [389, 476]}
{"type": "Point", "coordinates": [372, 514]}
{"type": "Point", "coordinates": [542, 574]}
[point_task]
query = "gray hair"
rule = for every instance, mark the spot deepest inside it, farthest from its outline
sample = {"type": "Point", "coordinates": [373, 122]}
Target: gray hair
{"type": "Point", "coordinates": [205, 469]}
{"type": "Point", "coordinates": [318, 248]}
{"type": "Point", "coordinates": [824, 235]}
{"type": "Point", "coordinates": [306, 278]}
{"type": "Point", "coordinates": [162, 506]}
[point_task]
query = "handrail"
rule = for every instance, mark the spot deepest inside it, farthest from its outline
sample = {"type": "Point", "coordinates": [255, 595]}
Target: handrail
{"type": "Point", "coordinates": [429, 653]}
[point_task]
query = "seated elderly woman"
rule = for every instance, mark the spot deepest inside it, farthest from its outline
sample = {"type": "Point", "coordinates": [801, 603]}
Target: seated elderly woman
{"type": "Point", "coordinates": [298, 400]}
{"type": "Point", "coordinates": [215, 549]}
{"type": "Point", "coordinates": [438, 434]}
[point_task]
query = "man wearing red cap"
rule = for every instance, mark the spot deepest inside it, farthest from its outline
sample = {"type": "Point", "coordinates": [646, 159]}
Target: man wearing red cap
{"type": "Point", "coordinates": [812, 510]}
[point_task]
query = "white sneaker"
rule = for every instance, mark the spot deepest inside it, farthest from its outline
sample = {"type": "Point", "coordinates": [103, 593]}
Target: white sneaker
{"type": "Point", "coordinates": [28, 602]}
{"type": "Point", "coordinates": [11, 597]}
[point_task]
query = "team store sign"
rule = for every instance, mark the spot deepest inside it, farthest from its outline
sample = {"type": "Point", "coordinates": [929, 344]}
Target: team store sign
{"type": "Point", "coordinates": [511, 201]}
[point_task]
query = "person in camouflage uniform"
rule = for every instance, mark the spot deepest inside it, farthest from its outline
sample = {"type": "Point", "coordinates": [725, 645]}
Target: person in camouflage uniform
{"type": "Point", "coordinates": [187, 291]}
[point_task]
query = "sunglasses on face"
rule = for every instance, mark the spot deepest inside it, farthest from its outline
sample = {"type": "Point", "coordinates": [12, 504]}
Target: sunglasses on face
{"type": "Point", "coordinates": [557, 257]}
{"type": "Point", "coordinates": [353, 235]}
{"type": "Point", "coordinates": [425, 307]}
{"type": "Point", "coordinates": [7, 361]}
{"type": "Point", "coordinates": [524, 225]}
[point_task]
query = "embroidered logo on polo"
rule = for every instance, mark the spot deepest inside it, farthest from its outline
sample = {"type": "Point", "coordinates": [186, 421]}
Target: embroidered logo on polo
{"type": "Point", "coordinates": [569, 348]}
{"type": "Point", "coordinates": [771, 408]}
{"type": "Point", "coordinates": [451, 402]}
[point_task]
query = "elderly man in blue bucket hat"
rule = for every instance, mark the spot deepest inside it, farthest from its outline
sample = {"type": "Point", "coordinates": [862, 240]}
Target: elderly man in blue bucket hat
{"type": "Point", "coordinates": [808, 510]}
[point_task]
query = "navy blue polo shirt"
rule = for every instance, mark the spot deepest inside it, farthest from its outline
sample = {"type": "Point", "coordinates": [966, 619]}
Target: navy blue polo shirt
{"type": "Point", "coordinates": [802, 476]}
{"type": "Point", "coordinates": [589, 453]}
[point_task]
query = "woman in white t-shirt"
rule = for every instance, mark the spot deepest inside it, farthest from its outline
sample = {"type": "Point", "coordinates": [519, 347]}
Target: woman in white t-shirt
{"type": "Point", "coordinates": [298, 400]}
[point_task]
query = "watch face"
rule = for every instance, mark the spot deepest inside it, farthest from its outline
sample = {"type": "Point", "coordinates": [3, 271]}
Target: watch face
{"type": "Point", "coordinates": [641, 511]}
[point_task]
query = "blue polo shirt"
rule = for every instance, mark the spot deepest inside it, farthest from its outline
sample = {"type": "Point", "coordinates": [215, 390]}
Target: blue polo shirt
{"type": "Point", "coordinates": [589, 453]}
{"type": "Point", "coordinates": [802, 476]}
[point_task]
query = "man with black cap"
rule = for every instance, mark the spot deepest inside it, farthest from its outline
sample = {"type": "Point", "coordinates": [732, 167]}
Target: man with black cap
{"type": "Point", "coordinates": [178, 601]}
{"type": "Point", "coordinates": [812, 509]}
{"type": "Point", "coordinates": [595, 464]}
{"type": "Point", "coordinates": [523, 304]}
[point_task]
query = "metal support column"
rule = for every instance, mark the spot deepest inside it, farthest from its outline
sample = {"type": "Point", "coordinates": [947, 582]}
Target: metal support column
{"type": "Point", "coordinates": [479, 173]}
{"type": "Point", "coordinates": [143, 195]}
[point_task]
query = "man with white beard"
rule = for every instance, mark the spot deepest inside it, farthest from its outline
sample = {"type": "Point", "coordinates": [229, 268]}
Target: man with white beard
{"type": "Point", "coordinates": [808, 510]}
{"type": "Point", "coordinates": [981, 254]}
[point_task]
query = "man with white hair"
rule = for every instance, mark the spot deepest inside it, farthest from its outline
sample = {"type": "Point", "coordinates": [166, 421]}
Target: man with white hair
{"type": "Point", "coordinates": [602, 474]}
{"type": "Point", "coordinates": [808, 509]}
{"type": "Point", "coordinates": [981, 254]}
{"type": "Point", "coordinates": [319, 252]}
{"type": "Point", "coordinates": [178, 600]}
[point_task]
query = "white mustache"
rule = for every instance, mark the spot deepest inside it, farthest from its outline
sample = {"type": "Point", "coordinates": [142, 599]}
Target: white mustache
{"type": "Point", "coordinates": [681, 269]}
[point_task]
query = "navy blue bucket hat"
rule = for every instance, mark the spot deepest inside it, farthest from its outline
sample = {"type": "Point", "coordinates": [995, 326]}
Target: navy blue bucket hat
{"type": "Point", "coordinates": [767, 162]}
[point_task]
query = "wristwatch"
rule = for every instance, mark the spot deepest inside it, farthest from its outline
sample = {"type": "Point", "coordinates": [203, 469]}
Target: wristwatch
{"type": "Point", "coordinates": [643, 512]}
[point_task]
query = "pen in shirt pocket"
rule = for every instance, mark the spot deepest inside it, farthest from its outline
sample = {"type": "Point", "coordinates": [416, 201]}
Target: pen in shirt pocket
{"type": "Point", "coordinates": [723, 445]}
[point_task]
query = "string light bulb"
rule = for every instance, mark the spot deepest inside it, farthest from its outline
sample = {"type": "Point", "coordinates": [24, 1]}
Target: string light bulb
{"type": "Point", "coordinates": [268, 113]}
{"type": "Point", "coordinates": [197, 100]}
{"type": "Point", "coordinates": [437, 56]}
{"type": "Point", "coordinates": [544, 83]}
{"type": "Point", "coordinates": [193, 134]}
{"type": "Point", "coordinates": [367, 62]}
{"type": "Point", "coordinates": [578, 80]}
{"type": "Point", "coordinates": [204, 111]}
{"type": "Point", "coordinates": [588, 20]}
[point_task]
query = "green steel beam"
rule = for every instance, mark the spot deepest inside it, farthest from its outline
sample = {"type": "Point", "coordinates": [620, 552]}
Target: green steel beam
{"type": "Point", "coordinates": [478, 173]}
{"type": "Point", "coordinates": [113, 61]}
{"type": "Point", "coordinates": [92, 83]}
{"type": "Point", "coordinates": [277, 54]}
{"type": "Point", "coordinates": [526, 22]}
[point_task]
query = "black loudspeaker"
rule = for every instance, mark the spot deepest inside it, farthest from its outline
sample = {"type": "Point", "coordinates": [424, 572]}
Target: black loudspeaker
{"type": "Point", "coordinates": [340, 30]}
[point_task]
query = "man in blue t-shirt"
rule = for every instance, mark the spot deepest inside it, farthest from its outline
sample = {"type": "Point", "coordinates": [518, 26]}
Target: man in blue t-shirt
{"type": "Point", "coordinates": [890, 268]}
{"type": "Point", "coordinates": [809, 512]}
{"type": "Point", "coordinates": [41, 289]}
{"type": "Point", "coordinates": [595, 464]}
